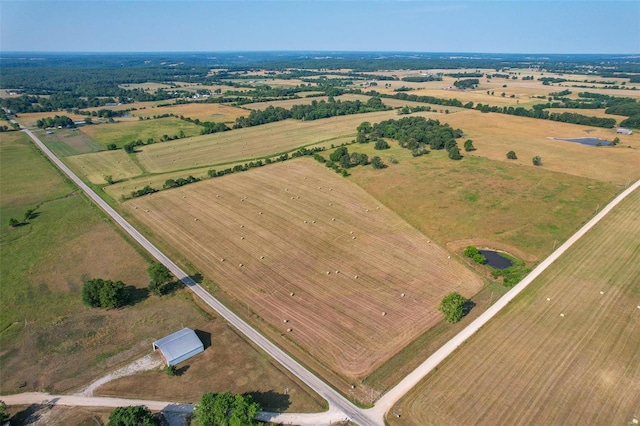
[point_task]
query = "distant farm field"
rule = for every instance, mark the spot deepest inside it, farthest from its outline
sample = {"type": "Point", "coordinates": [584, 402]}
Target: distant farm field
{"type": "Point", "coordinates": [202, 111]}
{"type": "Point", "coordinates": [566, 351]}
{"type": "Point", "coordinates": [254, 142]}
{"type": "Point", "coordinates": [519, 206]}
{"type": "Point", "coordinates": [124, 132]}
{"type": "Point", "coordinates": [307, 251]}
{"type": "Point", "coordinates": [96, 166]}
{"type": "Point", "coordinates": [496, 134]}
{"type": "Point", "coordinates": [29, 119]}
{"type": "Point", "coordinates": [66, 142]}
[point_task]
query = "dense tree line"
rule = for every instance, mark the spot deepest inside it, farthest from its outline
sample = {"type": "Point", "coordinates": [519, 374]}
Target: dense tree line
{"type": "Point", "coordinates": [174, 183]}
{"type": "Point", "coordinates": [539, 112]}
{"type": "Point", "coordinates": [314, 111]}
{"type": "Point", "coordinates": [144, 191]}
{"type": "Point", "coordinates": [423, 78]}
{"type": "Point", "coordinates": [226, 409]}
{"type": "Point", "coordinates": [468, 83]}
{"type": "Point", "coordinates": [57, 121]}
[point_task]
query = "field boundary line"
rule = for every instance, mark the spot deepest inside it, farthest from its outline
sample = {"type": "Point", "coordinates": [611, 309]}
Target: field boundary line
{"type": "Point", "coordinates": [388, 400]}
{"type": "Point", "coordinates": [335, 399]}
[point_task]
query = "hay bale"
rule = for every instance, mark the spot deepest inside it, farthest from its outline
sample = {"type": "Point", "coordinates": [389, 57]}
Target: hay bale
{"type": "Point", "coordinates": [292, 294]}
{"type": "Point", "coordinates": [562, 315]}
{"type": "Point", "coordinates": [353, 238]}
{"type": "Point", "coordinates": [328, 272]}
{"type": "Point", "coordinates": [384, 314]}
{"type": "Point", "coordinates": [240, 265]}
{"type": "Point", "coordinates": [242, 238]}
{"type": "Point", "coordinates": [402, 295]}
{"type": "Point", "coordinates": [356, 277]}
{"type": "Point", "coordinates": [289, 330]}
{"type": "Point", "coordinates": [222, 259]}
{"type": "Point", "coordinates": [286, 320]}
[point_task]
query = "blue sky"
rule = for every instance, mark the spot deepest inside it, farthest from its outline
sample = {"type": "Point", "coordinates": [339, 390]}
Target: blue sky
{"type": "Point", "coordinates": [383, 25]}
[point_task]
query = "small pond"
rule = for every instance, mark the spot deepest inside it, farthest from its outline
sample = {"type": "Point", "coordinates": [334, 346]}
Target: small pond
{"type": "Point", "coordinates": [495, 259]}
{"type": "Point", "coordinates": [586, 141]}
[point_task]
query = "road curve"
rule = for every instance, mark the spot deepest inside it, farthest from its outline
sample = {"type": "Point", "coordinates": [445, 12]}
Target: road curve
{"type": "Point", "coordinates": [384, 404]}
{"type": "Point", "coordinates": [335, 400]}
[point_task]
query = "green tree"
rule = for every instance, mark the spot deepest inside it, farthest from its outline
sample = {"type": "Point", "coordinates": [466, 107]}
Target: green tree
{"type": "Point", "coordinates": [13, 222]}
{"type": "Point", "coordinates": [377, 163]}
{"type": "Point", "coordinates": [336, 155]}
{"type": "Point", "coordinates": [159, 276]}
{"type": "Point", "coordinates": [99, 293]}
{"type": "Point", "coordinates": [511, 155]}
{"type": "Point", "coordinates": [468, 145]}
{"type": "Point", "coordinates": [4, 416]}
{"type": "Point", "coordinates": [137, 415]}
{"type": "Point", "coordinates": [537, 161]}
{"type": "Point", "coordinates": [381, 144]}
{"type": "Point", "coordinates": [171, 370]}
{"type": "Point", "coordinates": [225, 409]}
{"type": "Point", "coordinates": [452, 307]}
{"type": "Point", "coordinates": [112, 147]}
{"type": "Point", "coordinates": [28, 214]}
{"type": "Point", "coordinates": [109, 179]}
{"type": "Point", "coordinates": [454, 153]}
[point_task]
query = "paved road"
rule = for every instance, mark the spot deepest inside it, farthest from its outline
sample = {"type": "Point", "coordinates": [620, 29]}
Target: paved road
{"type": "Point", "coordinates": [337, 403]}
{"type": "Point", "coordinates": [335, 400]}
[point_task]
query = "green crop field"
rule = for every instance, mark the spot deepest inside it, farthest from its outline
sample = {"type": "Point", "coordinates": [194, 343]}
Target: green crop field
{"type": "Point", "coordinates": [566, 351]}
{"type": "Point", "coordinates": [124, 132]}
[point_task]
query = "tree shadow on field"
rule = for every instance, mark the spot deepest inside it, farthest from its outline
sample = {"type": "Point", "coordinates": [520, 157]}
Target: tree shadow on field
{"type": "Point", "coordinates": [205, 337]}
{"type": "Point", "coordinates": [30, 415]}
{"type": "Point", "coordinates": [137, 295]}
{"type": "Point", "coordinates": [270, 400]}
{"type": "Point", "coordinates": [171, 287]}
{"type": "Point", "coordinates": [180, 371]}
{"type": "Point", "coordinates": [467, 307]}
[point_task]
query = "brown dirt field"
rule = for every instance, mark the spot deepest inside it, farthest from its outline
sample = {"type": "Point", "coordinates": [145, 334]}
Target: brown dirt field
{"type": "Point", "coordinates": [496, 134]}
{"type": "Point", "coordinates": [203, 111]}
{"type": "Point", "coordinates": [228, 364]}
{"type": "Point", "coordinates": [335, 316]}
{"type": "Point", "coordinates": [532, 365]}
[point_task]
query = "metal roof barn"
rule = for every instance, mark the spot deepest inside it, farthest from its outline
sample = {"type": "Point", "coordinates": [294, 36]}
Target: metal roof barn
{"type": "Point", "coordinates": [179, 346]}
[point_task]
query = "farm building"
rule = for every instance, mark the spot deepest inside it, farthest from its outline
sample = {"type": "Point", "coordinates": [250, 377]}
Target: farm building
{"type": "Point", "coordinates": [624, 131]}
{"type": "Point", "coordinates": [179, 346]}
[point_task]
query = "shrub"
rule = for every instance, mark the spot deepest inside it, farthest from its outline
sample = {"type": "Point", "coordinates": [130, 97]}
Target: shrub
{"type": "Point", "coordinates": [537, 161]}
{"type": "Point", "coordinates": [377, 163]}
{"type": "Point", "coordinates": [381, 144]}
{"type": "Point", "coordinates": [511, 155]}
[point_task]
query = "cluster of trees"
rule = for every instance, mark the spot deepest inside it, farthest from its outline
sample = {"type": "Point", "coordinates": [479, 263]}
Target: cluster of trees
{"type": "Point", "coordinates": [423, 78]}
{"type": "Point", "coordinates": [144, 191]}
{"type": "Point", "coordinates": [174, 183]}
{"type": "Point", "coordinates": [57, 121]}
{"type": "Point", "coordinates": [453, 306]}
{"type": "Point", "coordinates": [468, 83]}
{"type": "Point", "coordinates": [347, 160]}
{"type": "Point", "coordinates": [226, 409]}
{"type": "Point", "coordinates": [410, 109]}
{"type": "Point", "coordinates": [413, 133]}
{"type": "Point", "coordinates": [136, 415]}
{"type": "Point", "coordinates": [424, 99]}
{"type": "Point", "coordinates": [473, 253]}
{"type": "Point", "coordinates": [314, 111]}
{"type": "Point", "coordinates": [107, 294]}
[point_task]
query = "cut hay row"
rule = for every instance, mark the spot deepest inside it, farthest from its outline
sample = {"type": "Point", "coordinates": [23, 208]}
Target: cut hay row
{"type": "Point", "coordinates": [297, 227]}
{"type": "Point", "coordinates": [567, 351]}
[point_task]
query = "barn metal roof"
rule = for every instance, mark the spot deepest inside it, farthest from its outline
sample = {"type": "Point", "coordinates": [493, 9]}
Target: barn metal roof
{"type": "Point", "coordinates": [178, 344]}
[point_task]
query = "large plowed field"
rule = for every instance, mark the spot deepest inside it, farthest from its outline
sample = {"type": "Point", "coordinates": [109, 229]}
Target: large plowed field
{"type": "Point", "coordinates": [310, 252]}
{"type": "Point", "coordinates": [567, 351]}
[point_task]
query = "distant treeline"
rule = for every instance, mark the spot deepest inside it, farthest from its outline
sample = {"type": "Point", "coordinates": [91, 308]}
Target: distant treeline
{"type": "Point", "coordinates": [314, 111]}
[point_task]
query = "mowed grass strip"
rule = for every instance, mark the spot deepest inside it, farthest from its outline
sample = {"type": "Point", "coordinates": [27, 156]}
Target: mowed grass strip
{"type": "Point", "coordinates": [496, 134]}
{"type": "Point", "coordinates": [122, 132]}
{"type": "Point", "coordinates": [566, 351]}
{"type": "Point", "coordinates": [299, 228]}
{"type": "Point", "coordinates": [252, 142]}
{"type": "Point", "coordinates": [518, 206]}
{"type": "Point", "coordinates": [94, 167]}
